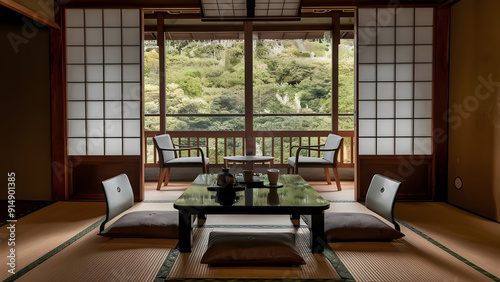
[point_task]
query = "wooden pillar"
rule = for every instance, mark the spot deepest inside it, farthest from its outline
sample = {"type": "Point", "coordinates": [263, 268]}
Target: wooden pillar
{"type": "Point", "coordinates": [335, 70]}
{"type": "Point", "coordinates": [58, 108]}
{"type": "Point", "coordinates": [161, 49]}
{"type": "Point", "coordinates": [440, 102]}
{"type": "Point", "coordinates": [249, 134]}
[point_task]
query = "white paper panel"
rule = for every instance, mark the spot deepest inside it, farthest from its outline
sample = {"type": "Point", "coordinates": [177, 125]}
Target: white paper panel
{"type": "Point", "coordinates": [112, 36]}
{"type": "Point", "coordinates": [385, 109]}
{"type": "Point", "coordinates": [113, 146]}
{"type": "Point", "coordinates": [94, 91]}
{"type": "Point", "coordinates": [404, 109]}
{"type": "Point", "coordinates": [385, 146]}
{"type": "Point", "coordinates": [385, 54]}
{"type": "Point", "coordinates": [423, 109]}
{"type": "Point", "coordinates": [366, 72]}
{"type": "Point", "coordinates": [385, 35]}
{"type": "Point", "coordinates": [385, 72]}
{"type": "Point", "coordinates": [95, 128]}
{"type": "Point", "coordinates": [132, 54]}
{"type": "Point", "coordinates": [94, 55]}
{"type": "Point", "coordinates": [404, 35]}
{"type": "Point", "coordinates": [424, 16]}
{"type": "Point", "coordinates": [112, 18]}
{"type": "Point", "coordinates": [423, 127]}
{"type": "Point", "coordinates": [386, 17]}
{"type": "Point", "coordinates": [366, 109]}
{"type": "Point", "coordinates": [423, 53]}
{"type": "Point", "coordinates": [131, 128]}
{"type": "Point", "coordinates": [75, 55]}
{"type": "Point", "coordinates": [367, 146]}
{"type": "Point", "coordinates": [423, 90]}
{"type": "Point", "coordinates": [130, 17]}
{"type": "Point", "coordinates": [113, 54]}
{"type": "Point", "coordinates": [422, 146]}
{"type": "Point", "coordinates": [131, 36]}
{"type": "Point", "coordinates": [385, 127]}
{"type": "Point", "coordinates": [131, 91]}
{"type": "Point", "coordinates": [404, 72]}
{"type": "Point", "coordinates": [95, 146]}
{"type": "Point", "coordinates": [132, 73]}
{"type": "Point", "coordinates": [131, 109]}
{"type": "Point", "coordinates": [113, 128]}
{"type": "Point", "coordinates": [404, 146]}
{"type": "Point", "coordinates": [74, 18]}
{"type": "Point", "coordinates": [95, 110]}
{"type": "Point", "coordinates": [404, 54]}
{"type": "Point", "coordinates": [367, 35]}
{"type": "Point", "coordinates": [94, 73]}
{"type": "Point", "coordinates": [366, 91]}
{"type": "Point", "coordinates": [76, 110]}
{"type": "Point", "coordinates": [404, 90]}
{"type": "Point", "coordinates": [404, 127]}
{"type": "Point", "coordinates": [77, 146]}
{"type": "Point", "coordinates": [113, 109]}
{"type": "Point", "coordinates": [385, 91]}
{"type": "Point", "coordinates": [76, 128]}
{"type": "Point", "coordinates": [131, 146]}
{"type": "Point", "coordinates": [367, 128]}
{"type": "Point", "coordinates": [113, 91]}
{"type": "Point", "coordinates": [75, 73]}
{"type": "Point", "coordinates": [93, 36]}
{"type": "Point", "coordinates": [404, 16]}
{"type": "Point", "coordinates": [75, 36]}
{"type": "Point", "coordinates": [423, 35]}
{"type": "Point", "coordinates": [76, 91]}
{"type": "Point", "coordinates": [367, 54]}
{"type": "Point", "coordinates": [423, 72]}
{"type": "Point", "coordinates": [113, 73]}
{"type": "Point", "coordinates": [93, 18]}
{"type": "Point", "coordinates": [367, 17]}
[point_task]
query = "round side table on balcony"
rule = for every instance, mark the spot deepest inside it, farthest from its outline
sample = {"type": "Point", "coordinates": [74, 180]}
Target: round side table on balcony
{"type": "Point", "coordinates": [249, 160]}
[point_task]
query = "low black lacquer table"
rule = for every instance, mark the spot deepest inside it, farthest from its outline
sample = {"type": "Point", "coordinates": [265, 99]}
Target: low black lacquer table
{"type": "Point", "coordinates": [295, 198]}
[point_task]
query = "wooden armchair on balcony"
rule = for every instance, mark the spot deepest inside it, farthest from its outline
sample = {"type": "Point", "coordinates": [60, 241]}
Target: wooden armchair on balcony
{"type": "Point", "coordinates": [167, 153]}
{"type": "Point", "coordinates": [330, 152]}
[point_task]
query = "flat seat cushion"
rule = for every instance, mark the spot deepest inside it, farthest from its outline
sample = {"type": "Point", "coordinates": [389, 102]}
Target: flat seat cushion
{"type": "Point", "coordinates": [186, 160]}
{"type": "Point", "coordinates": [246, 248]}
{"type": "Point", "coordinates": [341, 226]}
{"type": "Point", "coordinates": [309, 161]}
{"type": "Point", "coordinates": [145, 224]}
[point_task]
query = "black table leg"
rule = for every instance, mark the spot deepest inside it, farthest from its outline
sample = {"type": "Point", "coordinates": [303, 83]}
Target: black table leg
{"type": "Point", "coordinates": [295, 218]}
{"type": "Point", "coordinates": [185, 234]}
{"type": "Point", "coordinates": [317, 228]}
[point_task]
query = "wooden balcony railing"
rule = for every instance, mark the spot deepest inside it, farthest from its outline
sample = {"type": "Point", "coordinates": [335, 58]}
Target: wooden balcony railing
{"type": "Point", "coordinates": [268, 143]}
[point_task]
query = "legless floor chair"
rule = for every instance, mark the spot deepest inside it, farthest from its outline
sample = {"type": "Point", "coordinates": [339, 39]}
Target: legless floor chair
{"type": "Point", "coordinates": [380, 198]}
{"type": "Point", "coordinates": [138, 224]}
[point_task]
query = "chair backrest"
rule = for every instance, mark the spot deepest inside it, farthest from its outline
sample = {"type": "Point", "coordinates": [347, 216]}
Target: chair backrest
{"type": "Point", "coordinates": [164, 142]}
{"type": "Point", "coordinates": [119, 196]}
{"type": "Point", "coordinates": [332, 142]}
{"type": "Point", "coordinates": [381, 197]}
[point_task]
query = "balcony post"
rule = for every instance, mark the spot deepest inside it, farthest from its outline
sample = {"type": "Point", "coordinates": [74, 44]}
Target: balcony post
{"type": "Point", "coordinates": [160, 23]}
{"type": "Point", "coordinates": [335, 70]}
{"type": "Point", "coordinates": [249, 136]}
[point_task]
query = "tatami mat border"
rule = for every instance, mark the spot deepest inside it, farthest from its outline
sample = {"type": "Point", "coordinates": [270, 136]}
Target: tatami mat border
{"type": "Point", "coordinates": [452, 253]}
{"type": "Point", "coordinates": [54, 251]}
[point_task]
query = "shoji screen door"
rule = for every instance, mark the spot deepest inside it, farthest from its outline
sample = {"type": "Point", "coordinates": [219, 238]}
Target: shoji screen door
{"type": "Point", "coordinates": [103, 75]}
{"type": "Point", "coordinates": [395, 82]}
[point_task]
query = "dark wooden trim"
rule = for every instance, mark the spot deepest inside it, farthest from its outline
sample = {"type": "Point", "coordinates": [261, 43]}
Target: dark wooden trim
{"type": "Point", "coordinates": [58, 108]}
{"type": "Point", "coordinates": [143, 140]}
{"type": "Point", "coordinates": [335, 70]}
{"type": "Point", "coordinates": [161, 49]}
{"type": "Point", "coordinates": [239, 28]}
{"type": "Point", "coordinates": [249, 138]}
{"type": "Point", "coordinates": [31, 14]}
{"type": "Point", "coordinates": [440, 101]}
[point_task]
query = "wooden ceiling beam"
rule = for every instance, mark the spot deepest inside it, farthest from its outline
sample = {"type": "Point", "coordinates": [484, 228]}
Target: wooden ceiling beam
{"type": "Point", "coordinates": [239, 28]}
{"type": "Point", "coordinates": [29, 13]}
